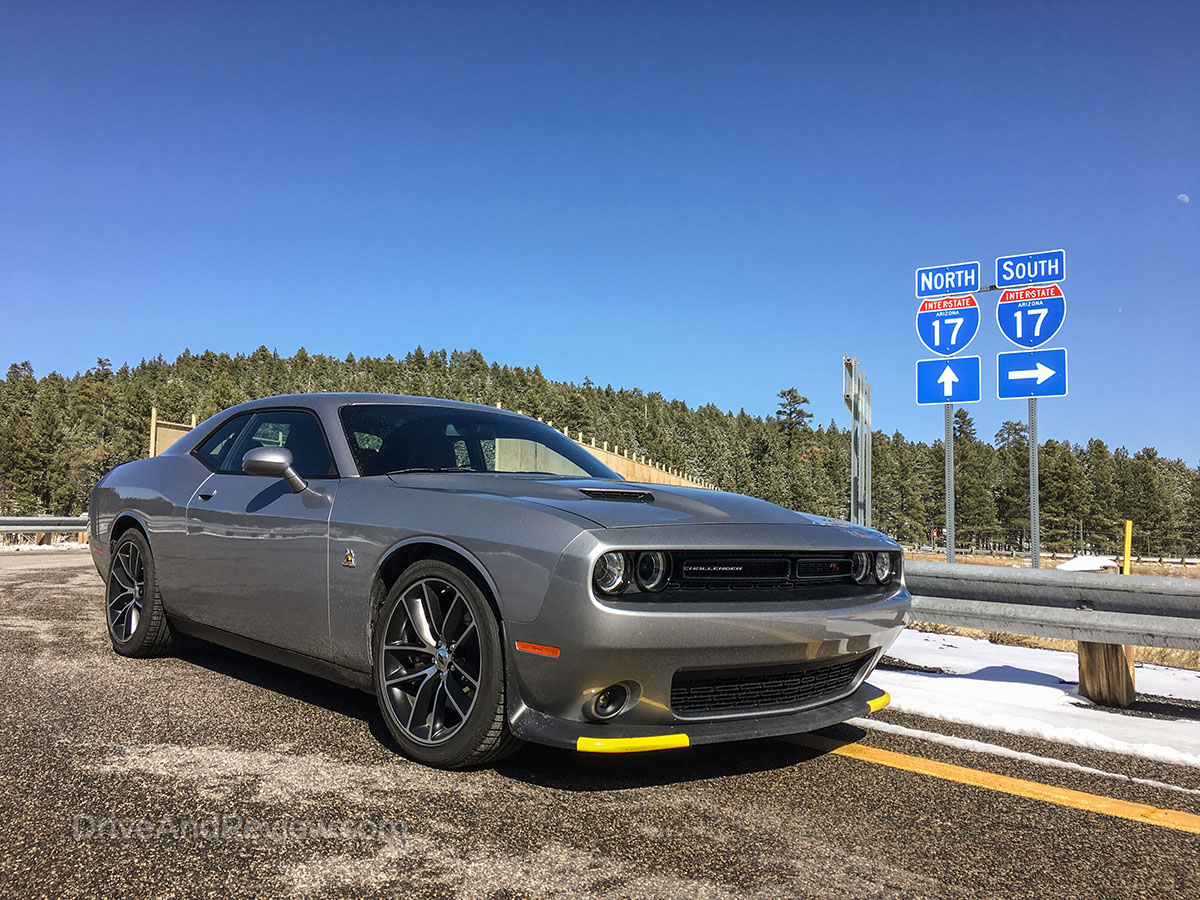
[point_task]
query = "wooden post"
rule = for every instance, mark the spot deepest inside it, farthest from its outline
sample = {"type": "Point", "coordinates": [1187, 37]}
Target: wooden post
{"type": "Point", "coordinates": [153, 429]}
{"type": "Point", "coordinates": [1106, 673]}
{"type": "Point", "coordinates": [1106, 670]}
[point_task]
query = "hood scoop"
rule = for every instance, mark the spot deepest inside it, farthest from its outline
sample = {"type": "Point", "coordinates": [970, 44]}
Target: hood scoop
{"type": "Point", "coordinates": [617, 494]}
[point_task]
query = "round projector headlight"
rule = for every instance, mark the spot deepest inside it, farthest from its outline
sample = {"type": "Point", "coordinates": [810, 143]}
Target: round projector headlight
{"type": "Point", "coordinates": [611, 573]}
{"type": "Point", "coordinates": [884, 568]}
{"type": "Point", "coordinates": [860, 567]}
{"type": "Point", "coordinates": [651, 571]}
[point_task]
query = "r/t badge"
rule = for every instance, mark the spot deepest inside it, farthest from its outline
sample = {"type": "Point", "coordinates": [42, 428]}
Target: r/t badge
{"type": "Point", "coordinates": [348, 559]}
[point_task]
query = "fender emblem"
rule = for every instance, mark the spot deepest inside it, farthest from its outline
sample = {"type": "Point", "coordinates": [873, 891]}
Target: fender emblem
{"type": "Point", "coordinates": [348, 559]}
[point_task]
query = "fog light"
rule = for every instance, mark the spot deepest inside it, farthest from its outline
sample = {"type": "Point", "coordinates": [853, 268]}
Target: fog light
{"type": "Point", "coordinates": [884, 568]}
{"type": "Point", "coordinates": [610, 701]}
{"type": "Point", "coordinates": [651, 571]}
{"type": "Point", "coordinates": [860, 568]}
{"type": "Point", "coordinates": [611, 573]}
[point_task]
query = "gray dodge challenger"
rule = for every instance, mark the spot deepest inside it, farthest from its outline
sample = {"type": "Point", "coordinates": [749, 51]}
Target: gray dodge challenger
{"type": "Point", "coordinates": [490, 581]}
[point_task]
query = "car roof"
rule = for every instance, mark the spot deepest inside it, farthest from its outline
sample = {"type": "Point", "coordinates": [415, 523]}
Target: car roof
{"type": "Point", "coordinates": [328, 402]}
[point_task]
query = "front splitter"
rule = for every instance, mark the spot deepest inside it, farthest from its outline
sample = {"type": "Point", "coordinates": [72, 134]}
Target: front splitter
{"type": "Point", "coordinates": [539, 728]}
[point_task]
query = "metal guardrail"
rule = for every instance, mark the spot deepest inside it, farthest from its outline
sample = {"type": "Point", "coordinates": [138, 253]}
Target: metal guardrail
{"type": "Point", "coordinates": [967, 553]}
{"type": "Point", "coordinates": [1150, 611]}
{"type": "Point", "coordinates": [42, 524]}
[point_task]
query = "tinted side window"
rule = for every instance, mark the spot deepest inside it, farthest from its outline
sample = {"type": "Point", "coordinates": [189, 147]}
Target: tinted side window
{"type": "Point", "coordinates": [216, 447]}
{"type": "Point", "coordinates": [292, 429]}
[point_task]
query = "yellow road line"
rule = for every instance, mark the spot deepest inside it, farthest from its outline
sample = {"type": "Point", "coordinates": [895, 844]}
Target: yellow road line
{"type": "Point", "coordinates": [1108, 806]}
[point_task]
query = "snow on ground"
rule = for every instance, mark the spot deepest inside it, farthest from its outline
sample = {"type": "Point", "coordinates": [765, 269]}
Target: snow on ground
{"type": "Point", "coordinates": [41, 548]}
{"type": "Point", "coordinates": [1031, 692]}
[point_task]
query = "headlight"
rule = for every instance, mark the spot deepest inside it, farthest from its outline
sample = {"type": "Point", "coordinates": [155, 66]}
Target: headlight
{"type": "Point", "coordinates": [651, 571]}
{"type": "Point", "coordinates": [860, 568]}
{"type": "Point", "coordinates": [611, 573]}
{"type": "Point", "coordinates": [884, 567]}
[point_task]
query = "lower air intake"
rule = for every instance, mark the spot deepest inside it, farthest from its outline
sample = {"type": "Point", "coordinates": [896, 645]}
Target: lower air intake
{"type": "Point", "coordinates": [698, 693]}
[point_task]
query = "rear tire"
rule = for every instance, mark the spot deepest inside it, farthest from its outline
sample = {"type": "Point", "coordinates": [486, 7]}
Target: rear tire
{"type": "Point", "coordinates": [438, 669]}
{"type": "Point", "coordinates": [137, 625]}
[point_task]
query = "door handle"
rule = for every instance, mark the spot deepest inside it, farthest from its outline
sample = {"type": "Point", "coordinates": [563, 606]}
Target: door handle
{"type": "Point", "coordinates": [207, 495]}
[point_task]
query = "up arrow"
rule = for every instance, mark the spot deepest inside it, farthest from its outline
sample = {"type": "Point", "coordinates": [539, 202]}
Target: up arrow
{"type": "Point", "coordinates": [947, 380]}
{"type": "Point", "coordinates": [1041, 373]}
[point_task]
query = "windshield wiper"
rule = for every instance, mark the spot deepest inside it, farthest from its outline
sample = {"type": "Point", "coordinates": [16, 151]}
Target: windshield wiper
{"type": "Point", "coordinates": [432, 469]}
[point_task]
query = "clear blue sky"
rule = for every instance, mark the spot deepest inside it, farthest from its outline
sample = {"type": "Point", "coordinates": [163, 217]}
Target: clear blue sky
{"type": "Point", "coordinates": [714, 201]}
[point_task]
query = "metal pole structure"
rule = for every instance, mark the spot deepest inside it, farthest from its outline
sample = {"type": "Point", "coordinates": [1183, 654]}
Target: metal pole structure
{"type": "Point", "coordinates": [850, 391]}
{"type": "Point", "coordinates": [856, 394]}
{"type": "Point", "coordinates": [867, 462]}
{"type": "Point", "coordinates": [1035, 525]}
{"type": "Point", "coordinates": [949, 482]}
{"type": "Point", "coordinates": [858, 447]}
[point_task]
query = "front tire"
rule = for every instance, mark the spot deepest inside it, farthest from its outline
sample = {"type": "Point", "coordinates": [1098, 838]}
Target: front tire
{"type": "Point", "coordinates": [133, 606]}
{"type": "Point", "coordinates": [438, 669]}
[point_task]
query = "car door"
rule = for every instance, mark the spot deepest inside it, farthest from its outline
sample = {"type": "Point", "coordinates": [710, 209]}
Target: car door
{"type": "Point", "coordinates": [257, 552]}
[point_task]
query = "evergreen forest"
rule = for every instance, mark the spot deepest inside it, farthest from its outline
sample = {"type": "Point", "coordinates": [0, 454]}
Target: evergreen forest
{"type": "Point", "coordinates": [59, 434]}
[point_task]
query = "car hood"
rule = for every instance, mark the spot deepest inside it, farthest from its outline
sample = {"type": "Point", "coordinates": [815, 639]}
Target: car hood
{"type": "Point", "coordinates": [666, 505]}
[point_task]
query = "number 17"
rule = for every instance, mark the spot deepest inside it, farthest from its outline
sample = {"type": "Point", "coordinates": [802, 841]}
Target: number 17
{"type": "Point", "coordinates": [1037, 328]}
{"type": "Point", "coordinates": [957, 321]}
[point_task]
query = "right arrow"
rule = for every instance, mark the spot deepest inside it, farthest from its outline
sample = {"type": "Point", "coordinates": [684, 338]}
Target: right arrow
{"type": "Point", "coordinates": [1041, 373]}
{"type": "Point", "coordinates": [947, 380]}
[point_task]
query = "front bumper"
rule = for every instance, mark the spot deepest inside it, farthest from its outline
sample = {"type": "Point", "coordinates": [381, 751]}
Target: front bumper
{"type": "Point", "coordinates": [645, 645]}
{"type": "Point", "coordinates": [542, 729]}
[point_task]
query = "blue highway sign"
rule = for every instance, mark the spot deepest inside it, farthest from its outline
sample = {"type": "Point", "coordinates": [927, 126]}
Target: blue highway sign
{"type": "Point", "coordinates": [1029, 317]}
{"type": "Point", "coordinates": [1021, 374]}
{"type": "Point", "coordinates": [947, 324]}
{"type": "Point", "coordinates": [941, 281]}
{"type": "Point", "coordinates": [1043, 267]}
{"type": "Point", "coordinates": [953, 380]}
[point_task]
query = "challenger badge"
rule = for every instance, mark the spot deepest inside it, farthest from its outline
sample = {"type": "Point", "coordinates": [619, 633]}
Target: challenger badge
{"type": "Point", "coordinates": [348, 559]}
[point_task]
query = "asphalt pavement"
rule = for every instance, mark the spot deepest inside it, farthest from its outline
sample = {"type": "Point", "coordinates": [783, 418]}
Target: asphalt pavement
{"type": "Point", "coordinates": [212, 774]}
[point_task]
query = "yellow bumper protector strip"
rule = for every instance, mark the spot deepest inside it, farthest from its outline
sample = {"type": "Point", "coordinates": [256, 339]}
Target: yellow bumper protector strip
{"type": "Point", "coordinates": [632, 745]}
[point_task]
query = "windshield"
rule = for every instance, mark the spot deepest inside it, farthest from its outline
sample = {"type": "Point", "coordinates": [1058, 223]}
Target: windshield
{"type": "Point", "coordinates": [391, 438]}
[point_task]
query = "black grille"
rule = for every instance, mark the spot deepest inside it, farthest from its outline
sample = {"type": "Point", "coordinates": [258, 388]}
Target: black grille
{"type": "Point", "coordinates": [723, 570]}
{"type": "Point", "coordinates": [699, 570]}
{"type": "Point", "coordinates": [712, 692]}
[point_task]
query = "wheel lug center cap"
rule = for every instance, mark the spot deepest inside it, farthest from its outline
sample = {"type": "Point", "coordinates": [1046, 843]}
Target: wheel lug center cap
{"type": "Point", "coordinates": [442, 657]}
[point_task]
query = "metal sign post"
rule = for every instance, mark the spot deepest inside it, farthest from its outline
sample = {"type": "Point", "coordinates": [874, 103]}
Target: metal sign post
{"type": "Point", "coordinates": [946, 325]}
{"type": "Point", "coordinates": [949, 482]}
{"type": "Point", "coordinates": [1035, 525]}
{"type": "Point", "coordinates": [1029, 314]}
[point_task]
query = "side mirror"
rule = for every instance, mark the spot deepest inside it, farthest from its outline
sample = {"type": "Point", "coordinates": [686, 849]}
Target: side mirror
{"type": "Point", "coordinates": [274, 461]}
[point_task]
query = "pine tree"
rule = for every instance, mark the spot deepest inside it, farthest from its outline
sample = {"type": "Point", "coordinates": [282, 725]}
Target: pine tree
{"type": "Point", "coordinates": [1012, 484]}
{"type": "Point", "coordinates": [974, 497]}
{"type": "Point", "coordinates": [1102, 524]}
{"type": "Point", "coordinates": [792, 416]}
